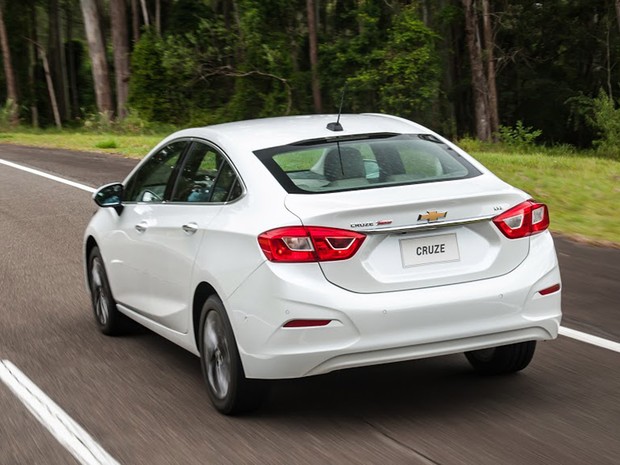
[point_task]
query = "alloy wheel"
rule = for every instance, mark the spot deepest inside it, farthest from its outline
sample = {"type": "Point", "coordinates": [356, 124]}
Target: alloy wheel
{"type": "Point", "coordinates": [218, 363]}
{"type": "Point", "coordinates": [100, 300]}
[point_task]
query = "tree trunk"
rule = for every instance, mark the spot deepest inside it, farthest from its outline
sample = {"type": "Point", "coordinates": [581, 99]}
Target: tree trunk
{"type": "Point", "coordinates": [55, 56]}
{"type": "Point", "coordinates": [145, 13]}
{"type": "Point", "coordinates": [316, 85]}
{"type": "Point", "coordinates": [135, 21]}
{"type": "Point", "coordinates": [158, 17]}
{"type": "Point", "coordinates": [50, 87]}
{"type": "Point", "coordinates": [74, 94]}
{"type": "Point", "coordinates": [9, 72]}
{"type": "Point", "coordinates": [32, 68]}
{"type": "Point", "coordinates": [120, 43]}
{"type": "Point", "coordinates": [618, 13]}
{"type": "Point", "coordinates": [96, 50]}
{"type": "Point", "coordinates": [478, 78]}
{"type": "Point", "coordinates": [489, 44]}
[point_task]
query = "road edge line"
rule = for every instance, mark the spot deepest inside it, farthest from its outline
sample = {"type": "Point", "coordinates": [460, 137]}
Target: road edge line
{"type": "Point", "coordinates": [71, 435]}
{"type": "Point", "coordinates": [564, 331]}
{"type": "Point", "coordinates": [590, 339]}
{"type": "Point", "coordinates": [48, 176]}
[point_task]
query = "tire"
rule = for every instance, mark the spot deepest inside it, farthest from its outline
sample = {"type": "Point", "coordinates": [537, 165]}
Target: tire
{"type": "Point", "coordinates": [110, 321]}
{"type": "Point", "coordinates": [230, 391]}
{"type": "Point", "coordinates": [502, 360]}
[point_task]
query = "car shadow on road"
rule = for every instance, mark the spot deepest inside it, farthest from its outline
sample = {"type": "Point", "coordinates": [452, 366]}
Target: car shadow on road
{"type": "Point", "coordinates": [429, 386]}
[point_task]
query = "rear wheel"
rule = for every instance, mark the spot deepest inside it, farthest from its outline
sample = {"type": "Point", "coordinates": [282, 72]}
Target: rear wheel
{"type": "Point", "coordinates": [230, 391]}
{"type": "Point", "coordinates": [502, 360]}
{"type": "Point", "coordinates": [110, 321]}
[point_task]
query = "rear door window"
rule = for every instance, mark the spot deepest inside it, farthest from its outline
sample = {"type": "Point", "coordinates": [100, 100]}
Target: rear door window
{"type": "Point", "coordinates": [206, 176]}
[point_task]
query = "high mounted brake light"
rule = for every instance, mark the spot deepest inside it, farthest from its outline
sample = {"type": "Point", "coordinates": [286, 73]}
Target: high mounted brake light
{"type": "Point", "coordinates": [309, 244]}
{"type": "Point", "coordinates": [523, 220]}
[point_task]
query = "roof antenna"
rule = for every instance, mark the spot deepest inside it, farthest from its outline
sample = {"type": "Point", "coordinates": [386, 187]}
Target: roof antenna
{"type": "Point", "coordinates": [337, 126]}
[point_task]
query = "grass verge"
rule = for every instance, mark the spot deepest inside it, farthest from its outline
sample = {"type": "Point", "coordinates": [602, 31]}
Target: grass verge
{"type": "Point", "coordinates": [133, 146]}
{"type": "Point", "coordinates": [582, 191]}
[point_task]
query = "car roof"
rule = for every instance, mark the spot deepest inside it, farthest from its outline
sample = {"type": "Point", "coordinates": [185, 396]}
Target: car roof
{"type": "Point", "coordinates": [272, 132]}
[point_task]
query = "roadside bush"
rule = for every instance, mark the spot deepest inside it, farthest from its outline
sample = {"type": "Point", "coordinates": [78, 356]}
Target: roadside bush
{"type": "Point", "coordinates": [107, 144]}
{"type": "Point", "coordinates": [6, 113]}
{"type": "Point", "coordinates": [605, 119]}
{"type": "Point", "coordinates": [519, 136]}
{"type": "Point", "coordinates": [601, 114]}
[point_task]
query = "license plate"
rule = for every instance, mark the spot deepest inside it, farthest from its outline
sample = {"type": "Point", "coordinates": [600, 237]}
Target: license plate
{"type": "Point", "coordinates": [430, 249]}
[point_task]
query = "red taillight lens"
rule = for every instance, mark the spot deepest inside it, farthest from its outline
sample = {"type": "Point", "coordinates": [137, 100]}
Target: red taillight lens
{"type": "Point", "coordinates": [309, 244]}
{"type": "Point", "coordinates": [525, 219]}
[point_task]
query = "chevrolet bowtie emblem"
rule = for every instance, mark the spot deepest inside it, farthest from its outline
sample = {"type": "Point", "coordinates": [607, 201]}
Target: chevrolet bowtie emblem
{"type": "Point", "coordinates": [432, 216]}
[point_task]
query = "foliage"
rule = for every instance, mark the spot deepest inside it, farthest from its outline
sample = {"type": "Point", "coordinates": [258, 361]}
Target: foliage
{"type": "Point", "coordinates": [153, 90]}
{"type": "Point", "coordinates": [404, 74]}
{"type": "Point", "coordinates": [387, 60]}
{"type": "Point", "coordinates": [519, 136]}
{"type": "Point", "coordinates": [107, 144]}
{"type": "Point", "coordinates": [605, 118]}
{"type": "Point", "coordinates": [6, 114]}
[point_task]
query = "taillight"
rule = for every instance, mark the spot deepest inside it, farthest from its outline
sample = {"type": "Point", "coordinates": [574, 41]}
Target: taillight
{"type": "Point", "coordinates": [525, 219]}
{"type": "Point", "coordinates": [309, 244]}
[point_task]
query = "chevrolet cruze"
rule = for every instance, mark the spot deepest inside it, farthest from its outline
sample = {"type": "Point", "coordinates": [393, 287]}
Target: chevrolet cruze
{"type": "Point", "coordinates": [295, 246]}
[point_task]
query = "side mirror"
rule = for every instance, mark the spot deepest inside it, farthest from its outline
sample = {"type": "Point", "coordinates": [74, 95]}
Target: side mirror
{"type": "Point", "coordinates": [110, 195]}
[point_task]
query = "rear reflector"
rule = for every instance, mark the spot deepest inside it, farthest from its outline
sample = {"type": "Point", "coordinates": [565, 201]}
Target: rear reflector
{"type": "Point", "coordinates": [550, 290]}
{"type": "Point", "coordinates": [309, 244]}
{"type": "Point", "coordinates": [306, 323]}
{"type": "Point", "coordinates": [523, 220]}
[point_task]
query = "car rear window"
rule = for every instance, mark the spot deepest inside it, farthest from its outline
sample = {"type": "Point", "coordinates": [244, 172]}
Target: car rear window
{"type": "Point", "coordinates": [364, 163]}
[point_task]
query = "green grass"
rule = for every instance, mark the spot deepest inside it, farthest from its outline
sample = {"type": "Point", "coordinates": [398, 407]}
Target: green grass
{"type": "Point", "coordinates": [134, 146]}
{"type": "Point", "coordinates": [582, 190]}
{"type": "Point", "coordinates": [107, 144]}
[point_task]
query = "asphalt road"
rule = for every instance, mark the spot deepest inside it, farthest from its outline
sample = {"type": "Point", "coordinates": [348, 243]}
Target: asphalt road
{"type": "Point", "coordinates": [143, 399]}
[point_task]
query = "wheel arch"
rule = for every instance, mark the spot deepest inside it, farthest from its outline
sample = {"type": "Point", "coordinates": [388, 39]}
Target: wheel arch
{"type": "Point", "coordinates": [89, 245]}
{"type": "Point", "coordinates": [203, 291]}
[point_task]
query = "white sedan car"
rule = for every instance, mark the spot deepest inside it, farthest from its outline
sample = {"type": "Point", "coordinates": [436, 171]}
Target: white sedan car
{"type": "Point", "coordinates": [295, 246]}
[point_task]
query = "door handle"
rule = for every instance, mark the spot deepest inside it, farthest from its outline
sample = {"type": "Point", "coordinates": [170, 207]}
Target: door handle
{"type": "Point", "coordinates": [141, 226]}
{"type": "Point", "coordinates": [190, 228]}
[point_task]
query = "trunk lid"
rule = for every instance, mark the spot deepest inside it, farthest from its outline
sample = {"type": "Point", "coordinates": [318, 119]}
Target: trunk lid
{"type": "Point", "coordinates": [410, 244]}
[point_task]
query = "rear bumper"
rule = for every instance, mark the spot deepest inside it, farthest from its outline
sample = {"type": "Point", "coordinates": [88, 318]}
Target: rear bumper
{"type": "Point", "coordinates": [369, 329]}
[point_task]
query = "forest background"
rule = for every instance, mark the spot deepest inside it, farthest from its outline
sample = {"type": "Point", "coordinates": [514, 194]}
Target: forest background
{"type": "Point", "coordinates": [523, 70]}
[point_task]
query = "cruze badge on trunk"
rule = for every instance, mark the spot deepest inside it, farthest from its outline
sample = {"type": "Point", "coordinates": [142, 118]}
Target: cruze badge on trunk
{"type": "Point", "coordinates": [371, 223]}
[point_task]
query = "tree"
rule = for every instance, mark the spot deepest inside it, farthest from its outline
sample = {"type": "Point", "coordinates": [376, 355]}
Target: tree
{"type": "Point", "coordinates": [9, 72]}
{"type": "Point", "coordinates": [120, 43]}
{"type": "Point", "coordinates": [96, 50]}
{"type": "Point", "coordinates": [479, 82]}
{"type": "Point", "coordinates": [312, 38]}
{"type": "Point", "coordinates": [56, 58]}
{"type": "Point", "coordinates": [489, 58]}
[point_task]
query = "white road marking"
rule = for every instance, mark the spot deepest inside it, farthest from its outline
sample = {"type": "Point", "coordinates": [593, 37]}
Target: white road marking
{"type": "Point", "coordinates": [48, 176]}
{"type": "Point", "coordinates": [578, 335]}
{"type": "Point", "coordinates": [71, 435]}
{"type": "Point", "coordinates": [588, 338]}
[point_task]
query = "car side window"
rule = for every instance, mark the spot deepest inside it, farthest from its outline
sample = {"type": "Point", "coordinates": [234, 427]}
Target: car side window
{"type": "Point", "coordinates": [224, 185]}
{"type": "Point", "coordinates": [206, 176]}
{"type": "Point", "coordinates": [149, 183]}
